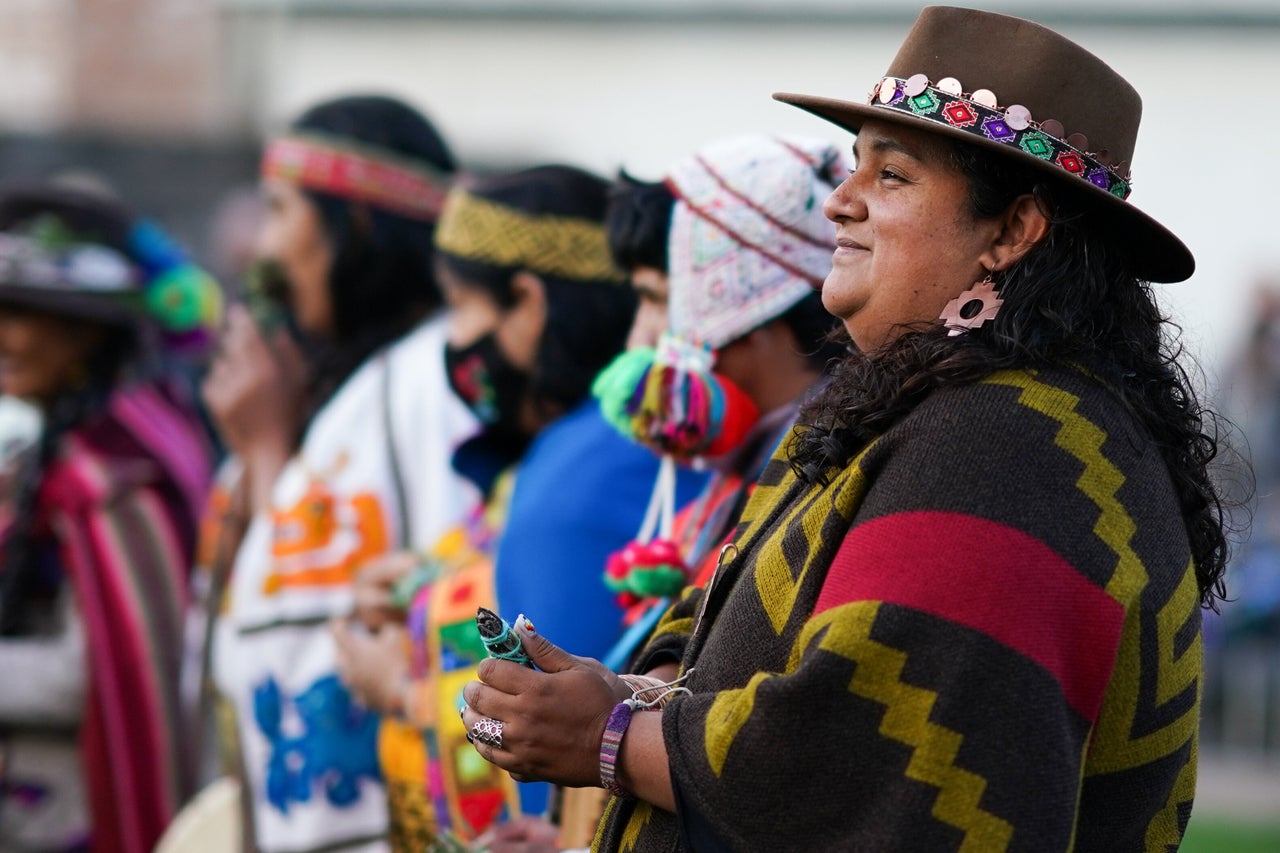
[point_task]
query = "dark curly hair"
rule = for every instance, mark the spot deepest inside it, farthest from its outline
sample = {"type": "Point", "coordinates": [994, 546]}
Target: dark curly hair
{"type": "Point", "coordinates": [638, 222]}
{"type": "Point", "coordinates": [1072, 299]}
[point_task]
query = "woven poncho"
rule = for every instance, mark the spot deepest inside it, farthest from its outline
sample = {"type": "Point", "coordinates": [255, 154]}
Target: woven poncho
{"type": "Point", "coordinates": [983, 634]}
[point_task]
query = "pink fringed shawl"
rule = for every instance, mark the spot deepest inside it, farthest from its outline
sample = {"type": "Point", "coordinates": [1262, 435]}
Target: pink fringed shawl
{"type": "Point", "coordinates": [122, 500]}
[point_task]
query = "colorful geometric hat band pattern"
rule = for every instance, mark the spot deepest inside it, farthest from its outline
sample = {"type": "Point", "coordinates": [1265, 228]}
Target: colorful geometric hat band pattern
{"type": "Point", "coordinates": [979, 114]}
{"type": "Point", "coordinates": [360, 173]}
{"type": "Point", "coordinates": [480, 229]}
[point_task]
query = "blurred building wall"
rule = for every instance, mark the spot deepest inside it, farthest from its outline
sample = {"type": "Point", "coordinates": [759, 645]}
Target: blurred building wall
{"type": "Point", "coordinates": [610, 83]}
{"type": "Point", "coordinates": [128, 66]}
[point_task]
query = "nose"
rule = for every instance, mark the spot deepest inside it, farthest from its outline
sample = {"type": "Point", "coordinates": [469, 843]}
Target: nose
{"type": "Point", "coordinates": [845, 201]}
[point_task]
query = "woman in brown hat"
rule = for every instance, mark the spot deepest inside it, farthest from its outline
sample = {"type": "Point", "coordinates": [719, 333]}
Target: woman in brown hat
{"type": "Point", "coordinates": [962, 610]}
{"type": "Point", "coordinates": [97, 520]}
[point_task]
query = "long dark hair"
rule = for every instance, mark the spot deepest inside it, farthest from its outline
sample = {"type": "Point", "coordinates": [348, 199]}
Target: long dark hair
{"type": "Point", "coordinates": [587, 320]}
{"type": "Point", "coordinates": [1073, 298]}
{"type": "Point", "coordinates": [382, 282]}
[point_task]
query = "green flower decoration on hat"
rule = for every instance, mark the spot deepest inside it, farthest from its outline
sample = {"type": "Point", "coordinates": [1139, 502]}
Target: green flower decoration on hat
{"type": "Point", "coordinates": [184, 298]}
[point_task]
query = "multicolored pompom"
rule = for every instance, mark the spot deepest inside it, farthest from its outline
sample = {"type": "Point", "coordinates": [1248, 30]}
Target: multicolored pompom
{"type": "Point", "coordinates": [671, 400]}
{"type": "Point", "coordinates": [652, 570]}
{"type": "Point", "coordinates": [179, 295]}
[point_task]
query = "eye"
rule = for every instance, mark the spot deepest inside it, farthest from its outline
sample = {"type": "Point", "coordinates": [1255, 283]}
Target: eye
{"type": "Point", "coordinates": [891, 175]}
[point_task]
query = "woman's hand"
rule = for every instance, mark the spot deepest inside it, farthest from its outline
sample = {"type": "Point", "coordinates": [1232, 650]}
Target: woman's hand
{"type": "Point", "coordinates": [552, 721]}
{"type": "Point", "coordinates": [373, 586]}
{"type": "Point", "coordinates": [254, 394]}
{"type": "Point", "coordinates": [373, 666]}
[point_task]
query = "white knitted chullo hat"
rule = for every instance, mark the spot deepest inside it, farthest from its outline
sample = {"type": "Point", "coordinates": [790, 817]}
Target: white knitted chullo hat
{"type": "Point", "coordinates": [748, 238]}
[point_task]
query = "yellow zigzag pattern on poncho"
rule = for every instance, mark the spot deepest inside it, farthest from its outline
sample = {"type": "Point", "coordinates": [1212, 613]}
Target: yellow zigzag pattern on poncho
{"type": "Point", "coordinates": [1101, 480]}
{"type": "Point", "coordinates": [635, 824]}
{"type": "Point", "coordinates": [878, 676]}
{"type": "Point", "coordinates": [778, 575]}
{"type": "Point", "coordinates": [1113, 749]}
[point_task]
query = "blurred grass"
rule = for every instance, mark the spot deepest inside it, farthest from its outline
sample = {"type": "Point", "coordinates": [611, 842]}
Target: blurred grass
{"type": "Point", "coordinates": [1212, 834]}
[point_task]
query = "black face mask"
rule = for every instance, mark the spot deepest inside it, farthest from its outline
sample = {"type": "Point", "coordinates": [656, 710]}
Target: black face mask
{"type": "Point", "coordinates": [492, 387]}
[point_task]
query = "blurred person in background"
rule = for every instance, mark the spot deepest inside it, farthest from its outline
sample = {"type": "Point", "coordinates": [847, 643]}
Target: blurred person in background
{"type": "Point", "coordinates": [98, 520]}
{"type": "Point", "coordinates": [537, 308]}
{"type": "Point", "coordinates": [330, 391]}
{"type": "Point", "coordinates": [232, 238]}
{"type": "Point", "coordinates": [726, 256]}
{"type": "Point", "coordinates": [1242, 640]}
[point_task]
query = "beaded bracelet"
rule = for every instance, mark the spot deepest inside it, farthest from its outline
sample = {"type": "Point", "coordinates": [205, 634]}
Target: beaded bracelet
{"type": "Point", "coordinates": [611, 744]}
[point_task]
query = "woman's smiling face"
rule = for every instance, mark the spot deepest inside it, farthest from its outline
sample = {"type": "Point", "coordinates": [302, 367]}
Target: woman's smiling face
{"type": "Point", "coordinates": [907, 241]}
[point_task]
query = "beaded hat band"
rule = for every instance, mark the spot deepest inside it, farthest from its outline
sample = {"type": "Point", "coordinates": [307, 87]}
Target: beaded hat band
{"type": "Point", "coordinates": [359, 173]}
{"type": "Point", "coordinates": [978, 114]}
{"type": "Point", "coordinates": [1059, 108]}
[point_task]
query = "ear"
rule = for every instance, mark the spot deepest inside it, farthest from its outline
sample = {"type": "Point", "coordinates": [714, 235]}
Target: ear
{"type": "Point", "coordinates": [1021, 226]}
{"type": "Point", "coordinates": [529, 292]}
{"type": "Point", "coordinates": [521, 330]}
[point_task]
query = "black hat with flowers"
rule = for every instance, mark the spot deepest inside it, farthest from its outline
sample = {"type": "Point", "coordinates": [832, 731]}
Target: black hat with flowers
{"type": "Point", "coordinates": [68, 251]}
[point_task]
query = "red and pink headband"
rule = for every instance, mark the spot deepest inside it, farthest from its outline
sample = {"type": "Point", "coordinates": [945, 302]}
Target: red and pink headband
{"type": "Point", "coordinates": [359, 173]}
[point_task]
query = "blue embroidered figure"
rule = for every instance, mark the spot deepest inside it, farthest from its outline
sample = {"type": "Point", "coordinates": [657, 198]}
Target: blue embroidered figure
{"type": "Point", "coordinates": [337, 745]}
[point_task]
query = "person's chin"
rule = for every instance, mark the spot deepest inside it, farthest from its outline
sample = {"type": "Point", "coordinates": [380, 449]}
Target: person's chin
{"type": "Point", "coordinates": [840, 296]}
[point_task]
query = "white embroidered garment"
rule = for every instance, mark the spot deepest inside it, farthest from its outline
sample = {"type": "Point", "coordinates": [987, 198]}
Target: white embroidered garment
{"type": "Point", "coordinates": [309, 751]}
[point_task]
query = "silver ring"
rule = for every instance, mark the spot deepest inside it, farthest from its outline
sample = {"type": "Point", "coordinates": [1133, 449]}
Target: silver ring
{"type": "Point", "coordinates": [488, 730]}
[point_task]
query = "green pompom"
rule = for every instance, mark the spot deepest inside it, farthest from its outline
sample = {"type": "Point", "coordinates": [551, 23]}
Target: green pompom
{"type": "Point", "coordinates": [655, 581]}
{"type": "Point", "coordinates": [183, 298]}
{"type": "Point", "coordinates": [617, 384]}
{"type": "Point", "coordinates": [616, 584]}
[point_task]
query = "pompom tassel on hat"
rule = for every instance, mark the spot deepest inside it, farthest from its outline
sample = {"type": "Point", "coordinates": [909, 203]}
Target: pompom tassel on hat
{"type": "Point", "coordinates": [671, 401]}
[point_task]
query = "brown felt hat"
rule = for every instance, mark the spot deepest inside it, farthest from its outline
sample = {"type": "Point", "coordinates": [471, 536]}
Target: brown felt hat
{"type": "Point", "coordinates": [1016, 87]}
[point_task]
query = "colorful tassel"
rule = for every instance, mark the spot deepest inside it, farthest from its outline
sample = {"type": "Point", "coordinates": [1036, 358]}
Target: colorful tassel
{"type": "Point", "coordinates": [671, 400]}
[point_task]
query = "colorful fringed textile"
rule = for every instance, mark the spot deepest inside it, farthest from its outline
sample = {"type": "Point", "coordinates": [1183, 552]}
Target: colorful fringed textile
{"type": "Point", "coordinates": [122, 500]}
{"type": "Point", "coordinates": [446, 791]}
{"type": "Point", "coordinates": [670, 400]}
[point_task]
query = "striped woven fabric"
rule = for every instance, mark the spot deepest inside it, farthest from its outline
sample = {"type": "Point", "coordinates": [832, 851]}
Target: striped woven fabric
{"type": "Point", "coordinates": [984, 634]}
{"type": "Point", "coordinates": [122, 499]}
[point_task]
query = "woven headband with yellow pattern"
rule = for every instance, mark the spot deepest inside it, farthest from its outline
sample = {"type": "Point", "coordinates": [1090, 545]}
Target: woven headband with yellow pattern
{"type": "Point", "coordinates": [564, 246]}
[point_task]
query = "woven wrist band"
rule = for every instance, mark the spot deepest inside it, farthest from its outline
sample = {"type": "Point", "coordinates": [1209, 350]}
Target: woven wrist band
{"type": "Point", "coordinates": [610, 745]}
